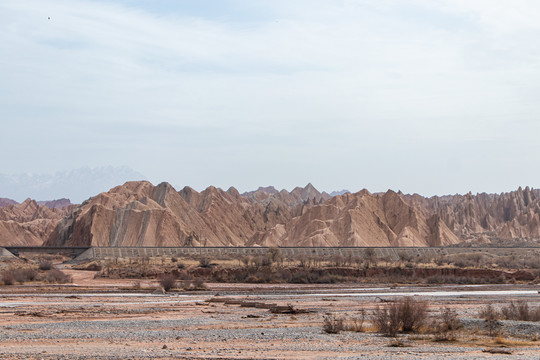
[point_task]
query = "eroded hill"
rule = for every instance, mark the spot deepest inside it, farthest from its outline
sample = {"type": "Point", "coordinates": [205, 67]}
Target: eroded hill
{"type": "Point", "coordinates": [28, 223]}
{"type": "Point", "coordinates": [141, 214]}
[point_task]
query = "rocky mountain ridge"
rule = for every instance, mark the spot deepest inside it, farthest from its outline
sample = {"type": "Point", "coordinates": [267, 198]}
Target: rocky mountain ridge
{"type": "Point", "coordinates": [141, 214]}
{"type": "Point", "coordinates": [483, 216]}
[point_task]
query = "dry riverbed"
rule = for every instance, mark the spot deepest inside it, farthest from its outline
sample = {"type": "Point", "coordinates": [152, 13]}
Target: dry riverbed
{"type": "Point", "coordinates": [108, 319]}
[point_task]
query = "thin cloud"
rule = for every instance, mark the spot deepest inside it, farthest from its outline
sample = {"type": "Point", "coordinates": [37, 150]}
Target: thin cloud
{"type": "Point", "coordinates": [315, 82]}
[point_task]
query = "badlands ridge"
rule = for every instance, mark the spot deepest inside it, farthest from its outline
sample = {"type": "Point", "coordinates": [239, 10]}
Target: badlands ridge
{"type": "Point", "coordinates": [141, 214]}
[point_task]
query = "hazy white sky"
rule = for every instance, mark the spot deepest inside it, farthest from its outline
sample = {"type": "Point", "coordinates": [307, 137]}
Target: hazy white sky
{"type": "Point", "coordinates": [427, 96]}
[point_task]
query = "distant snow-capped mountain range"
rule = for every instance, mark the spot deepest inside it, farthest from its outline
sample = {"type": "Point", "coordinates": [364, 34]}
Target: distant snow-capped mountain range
{"type": "Point", "coordinates": [77, 185]}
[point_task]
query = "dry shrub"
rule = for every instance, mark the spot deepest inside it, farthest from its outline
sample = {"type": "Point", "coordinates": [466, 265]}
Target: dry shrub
{"type": "Point", "coordinates": [386, 320]}
{"type": "Point", "coordinates": [316, 276]}
{"type": "Point", "coordinates": [275, 254]}
{"type": "Point", "coordinates": [520, 311]}
{"type": "Point", "coordinates": [412, 313]}
{"type": "Point", "coordinates": [404, 315]}
{"type": "Point", "coordinates": [198, 284]}
{"type": "Point", "coordinates": [92, 266]}
{"type": "Point", "coordinates": [205, 262]}
{"type": "Point", "coordinates": [11, 276]}
{"type": "Point", "coordinates": [338, 261]}
{"type": "Point", "coordinates": [167, 282]}
{"type": "Point", "coordinates": [57, 276]}
{"type": "Point", "coordinates": [470, 260]}
{"type": "Point", "coordinates": [195, 284]}
{"type": "Point", "coordinates": [332, 324]}
{"type": "Point", "coordinates": [447, 325]}
{"type": "Point", "coordinates": [24, 275]}
{"type": "Point", "coordinates": [45, 265]}
{"type": "Point", "coordinates": [8, 278]}
{"type": "Point", "coordinates": [356, 324]}
{"type": "Point", "coordinates": [491, 320]}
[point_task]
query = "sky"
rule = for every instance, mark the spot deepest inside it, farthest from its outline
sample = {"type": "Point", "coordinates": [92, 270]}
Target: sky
{"type": "Point", "coordinates": [424, 96]}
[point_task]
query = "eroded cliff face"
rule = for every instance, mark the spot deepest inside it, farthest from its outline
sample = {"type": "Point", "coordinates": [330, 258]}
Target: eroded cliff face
{"type": "Point", "coordinates": [360, 219]}
{"type": "Point", "coordinates": [487, 216]}
{"type": "Point", "coordinates": [141, 214]}
{"type": "Point", "coordinates": [27, 224]}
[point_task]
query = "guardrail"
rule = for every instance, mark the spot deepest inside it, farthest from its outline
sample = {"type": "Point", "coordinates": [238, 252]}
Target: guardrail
{"type": "Point", "coordinates": [393, 253]}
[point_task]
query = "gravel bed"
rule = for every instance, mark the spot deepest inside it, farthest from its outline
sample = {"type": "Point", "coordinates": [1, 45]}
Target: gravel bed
{"type": "Point", "coordinates": [525, 329]}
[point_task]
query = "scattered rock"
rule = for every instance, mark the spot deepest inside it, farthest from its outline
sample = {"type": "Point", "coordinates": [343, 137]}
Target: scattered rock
{"type": "Point", "coordinates": [497, 351]}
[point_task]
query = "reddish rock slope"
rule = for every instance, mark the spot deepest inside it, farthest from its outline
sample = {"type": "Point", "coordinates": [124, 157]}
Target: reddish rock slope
{"type": "Point", "coordinates": [27, 224]}
{"type": "Point", "coordinates": [361, 219]}
{"type": "Point", "coordinates": [513, 215]}
{"type": "Point", "coordinates": [141, 214]}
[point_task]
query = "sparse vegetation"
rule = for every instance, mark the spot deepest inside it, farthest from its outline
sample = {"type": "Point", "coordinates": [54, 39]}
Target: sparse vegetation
{"type": "Point", "coordinates": [446, 325]}
{"type": "Point", "coordinates": [57, 276]}
{"type": "Point", "coordinates": [491, 320]}
{"type": "Point", "coordinates": [167, 282]}
{"type": "Point", "coordinates": [332, 324]}
{"type": "Point", "coordinates": [272, 266]}
{"type": "Point", "coordinates": [356, 324]}
{"type": "Point", "coordinates": [403, 315]}
{"type": "Point", "coordinates": [194, 285]}
{"type": "Point", "coordinates": [520, 311]}
{"type": "Point", "coordinates": [12, 276]}
{"type": "Point", "coordinates": [45, 265]}
{"type": "Point", "coordinates": [8, 278]}
{"type": "Point", "coordinates": [204, 262]}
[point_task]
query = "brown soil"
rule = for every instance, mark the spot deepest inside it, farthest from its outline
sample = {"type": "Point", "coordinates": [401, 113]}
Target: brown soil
{"type": "Point", "coordinates": [106, 319]}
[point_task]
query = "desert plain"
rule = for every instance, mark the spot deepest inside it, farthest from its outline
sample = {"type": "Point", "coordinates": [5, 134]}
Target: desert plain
{"type": "Point", "coordinates": [113, 318]}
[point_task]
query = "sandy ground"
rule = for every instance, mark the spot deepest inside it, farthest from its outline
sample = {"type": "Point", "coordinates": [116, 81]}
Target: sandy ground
{"type": "Point", "coordinates": [104, 319]}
